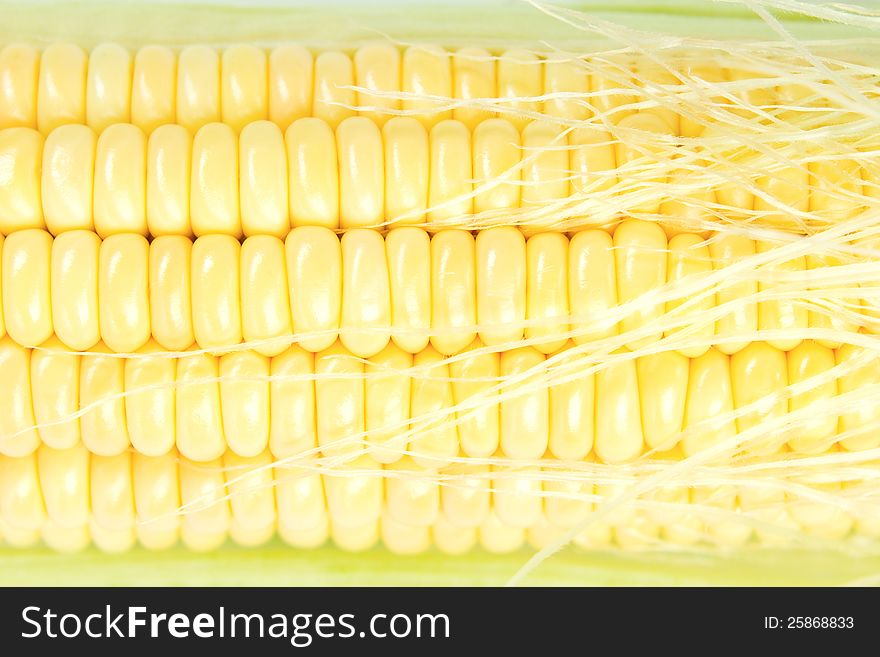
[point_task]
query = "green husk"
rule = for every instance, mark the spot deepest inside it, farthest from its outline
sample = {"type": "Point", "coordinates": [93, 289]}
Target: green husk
{"type": "Point", "coordinates": [347, 23]}
{"type": "Point", "coordinates": [278, 565]}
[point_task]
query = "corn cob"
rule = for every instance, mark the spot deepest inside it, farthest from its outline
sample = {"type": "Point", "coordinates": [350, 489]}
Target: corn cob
{"type": "Point", "coordinates": [441, 388]}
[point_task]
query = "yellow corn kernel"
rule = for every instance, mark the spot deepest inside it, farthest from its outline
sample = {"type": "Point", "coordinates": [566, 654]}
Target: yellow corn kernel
{"type": "Point", "coordinates": [817, 433]}
{"type": "Point", "coordinates": [156, 488]}
{"type": "Point", "coordinates": [473, 376]}
{"type": "Point", "coordinates": [21, 504]}
{"type": "Point", "coordinates": [547, 302]}
{"type": "Point", "coordinates": [290, 84]}
{"type": "Point", "coordinates": [758, 373]}
{"type": "Point", "coordinates": [426, 74]}
{"type": "Point", "coordinates": [709, 401]}
{"type": "Point", "coordinates": [407, 157]}
{"type": "Point", "coordinates": [112, 496]}
{"type": "Point", "coordinates": [387, 407]}
{"type": "Point", "coordinates": [663, 385]}
{"type": "Point", "coordinates": [214, 201]}
{"type": "Point", "coordinates": [198, 427]}
{"type": "Point", "coordinates": [545, 165]}
{"type": "Point", "coordinates": [54, 376]}
{"type": "Point", "coordinates": [568, 81]}
{"type": "Point", "coordinates": [408, 251]}
{"type": "Point", "coordinates": [497, 153]}
{"type": "Point", "coordinates": [858, 423]}
{"type": "Point", "coordinates": [206, 526]}
{"type": "Point", "coordinates": [198, 87]}
{"type": "Point", "coordinates": [474, 77]}
{"type": "Point", "coordinates": [339, 401]}
{"type": "Point", "coordinates": [366, 312]}
{"type": "Point", "coordinates": [734, 327]}
{"type": "Point", "coordinates": [67, 181]}
{"type": "Point", "coordinates": [149, 383]}
{"type": "Point", "coordinates": [782, 314]}
{"type": "Point", "coordinates": [619, 434]}
{"type": "Point", "coordinates": [593, 164]}
{"type": "Point", "coordinates": [153, 87]}
{"type": "Point", "coordinates": [525, 414]}
{"type": "Point", "coordinates": [592, 285]}
{"type": "Point", "coordinates": [572, 418]}
{"type": "Point", "coordinates": [292, 403]}
{"type": "Point", "coordinates": [640, 260]}
{"type": "Point", "coordinates": [101, 386]}
{"type": "Point", "coordinates": [169, 166]}
{"type": "Point", "coordinates": [64, 482]}
{"type": "Point", "coordinates": [361, 173]}
{"type": "Point", "coordinates": [828, 318]}
{"type": "Point", "coordinates": [243, 88]}
{"type": "Point", "coordinates": [74, 288]}
{"type": "Point", "coordinates": [265, 312]}
{"type": "Point", "coordinates": [108, 86]}
{"type": "Point", "coordinates": [120, 181]}
{"type": "Point", "coordinates": [26, 271]}
{"type": "Point", "coordinates": [450, 186]}
{"type": "Point", "coordinates": [19, 75]}
{"type": "Point", "coordinates": [61, 91]}
{"type": "Point", "coordinates": [313, 183]}
{"type": "Point", "coordinates": [170, 292]}
{"type": "Point", "coordinates": [334, 96]}
{"type": "Point", "coordinates": [453, 296]}
{"type": "Point", "coordinates": [640, 157]}
{"type": "Point", "coordinates": [434, 442]}
{"type": "Point", "coordinates": [302, 509]}
{"type": "Point", "coordinates": [252, 501]}
{"type": "Point", "coordinates": [122, 292]}
{"type": "Point", "coordinates": [216, 300]}
{"type": "Point", "coordinates": [520, 75]}
{"type": "Point", "coordinates": [354, 498]}
{"type": "Point", "coordinates": [688, 261]}
{"type": "Point", "coordinates": [501, 285]}
{"type": "Point", "coordinates": [244, 401]}
{"type": "Point", "coordinates": [315, 301]}
{"type": "Point", "coordinates": [19, 437]}
{"type": "Point", "coordinates": [21, 204]}
{"type": "Point", "coordinates": [412, 498]}
{"type": "Point", "coordinates": [377, 72]}
{"type": "Point", "coordinates": [263, 179]}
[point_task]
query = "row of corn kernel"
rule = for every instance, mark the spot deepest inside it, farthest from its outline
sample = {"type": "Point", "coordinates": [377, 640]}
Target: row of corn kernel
{"type": "Point", "coordinates": [412, 287]}
{"type": "Point", "coordinates": [263, 181]}
{"type": "Point", "coordinates": [518, 403]}
{"type": "Point", "coordinates": [70, 497]}
{"type": "Point", "coordinates": [199, 85]}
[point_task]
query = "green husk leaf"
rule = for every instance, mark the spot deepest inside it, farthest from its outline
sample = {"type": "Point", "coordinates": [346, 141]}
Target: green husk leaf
{"type": "Point", "coordinates": [279, 565]}
{"type": "Point", "coordinates": [345, 24]}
